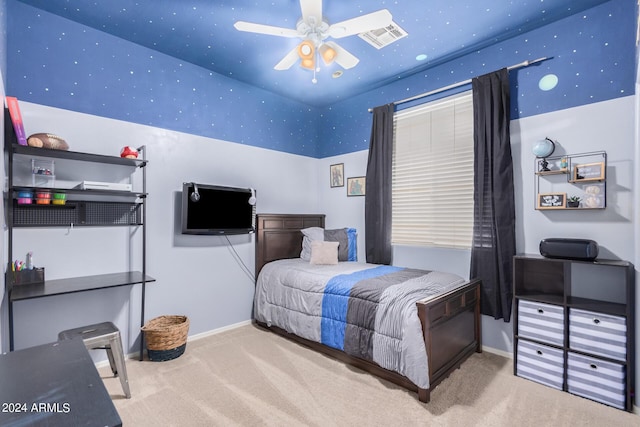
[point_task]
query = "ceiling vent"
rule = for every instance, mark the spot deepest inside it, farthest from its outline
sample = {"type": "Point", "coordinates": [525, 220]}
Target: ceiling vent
{"type": "Point", "coordinates": [383, 36]}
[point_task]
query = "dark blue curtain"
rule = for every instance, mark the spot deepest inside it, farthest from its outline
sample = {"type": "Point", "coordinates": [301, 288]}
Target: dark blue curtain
{"type": "Point", "coordinates": [493, 244]}
{"type": "Point", "coordinates": [377, 205]}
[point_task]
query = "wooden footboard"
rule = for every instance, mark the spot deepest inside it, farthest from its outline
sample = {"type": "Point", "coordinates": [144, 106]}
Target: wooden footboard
{"type": "Point", "coordinates": [451, 329]}
{"type": "Point", "coordinates": [450, 322]}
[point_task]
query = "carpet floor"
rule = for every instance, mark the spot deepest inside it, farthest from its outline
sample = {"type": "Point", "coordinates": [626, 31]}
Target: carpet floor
{"type": "Point", "coordinates": [251, 377]}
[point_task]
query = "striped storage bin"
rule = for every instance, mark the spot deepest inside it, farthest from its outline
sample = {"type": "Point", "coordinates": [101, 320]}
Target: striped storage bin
{"type": "Point", "coordinates": [540, 363]}
{"type": "Point", "coordinates": [542, 322]}
{"type": "Point", "coordinates": [597, 380]}
{"type": "Point", "coordinates": [598, 334]}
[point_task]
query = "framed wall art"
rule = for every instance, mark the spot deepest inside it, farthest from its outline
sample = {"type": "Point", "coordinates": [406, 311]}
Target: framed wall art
{"type": "Point", "coordinates": [356, 186]}
{"type": "Point", "coordinates": [336, 175]}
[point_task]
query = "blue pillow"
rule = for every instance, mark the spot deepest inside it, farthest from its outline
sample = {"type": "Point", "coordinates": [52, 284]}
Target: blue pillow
{"type": "Point", "coordinates": [352, 236]}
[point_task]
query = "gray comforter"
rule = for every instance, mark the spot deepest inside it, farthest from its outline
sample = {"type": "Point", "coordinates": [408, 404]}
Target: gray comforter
{"type": "Point", "coordinates": [365, 310]}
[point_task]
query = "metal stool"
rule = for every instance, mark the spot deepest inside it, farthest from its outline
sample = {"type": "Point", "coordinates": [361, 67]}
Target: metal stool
{"type": "Point", "coordinates": [104, 336]}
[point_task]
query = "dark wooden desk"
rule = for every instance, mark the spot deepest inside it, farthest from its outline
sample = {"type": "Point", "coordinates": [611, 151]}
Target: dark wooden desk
{"type": "Point", "coordinates": [54, 384]}
{"type": "Point", "coordinates": [73, 285]}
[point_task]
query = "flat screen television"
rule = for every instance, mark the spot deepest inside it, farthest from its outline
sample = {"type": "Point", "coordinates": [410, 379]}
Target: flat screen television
{"type": "Point", "coordinates": [217, 210]}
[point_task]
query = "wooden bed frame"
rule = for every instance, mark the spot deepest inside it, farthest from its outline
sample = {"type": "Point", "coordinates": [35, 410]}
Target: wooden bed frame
{"type": "Point", "coordinates": [450, 322]}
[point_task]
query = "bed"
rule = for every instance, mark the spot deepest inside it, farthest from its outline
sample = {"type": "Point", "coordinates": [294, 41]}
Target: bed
{"type": "Point", "coordinates": [419, 337]}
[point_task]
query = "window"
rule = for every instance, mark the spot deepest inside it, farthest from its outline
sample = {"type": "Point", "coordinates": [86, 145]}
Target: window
{"type": "Point", "coordinates": [432, 174]}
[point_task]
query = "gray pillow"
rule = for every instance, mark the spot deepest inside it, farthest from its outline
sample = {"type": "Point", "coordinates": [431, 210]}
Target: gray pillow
{"type": "Point", "coordinates": [340, 236]}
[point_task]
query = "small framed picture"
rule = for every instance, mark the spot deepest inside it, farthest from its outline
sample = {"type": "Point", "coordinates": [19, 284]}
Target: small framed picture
{"type": "Point", "coordinates": [589, 172]}
{"type": "Point", "coordinates": [336, 175]}
{"type": "Point", "coordinates": [551, 201]}
{"type": "Point", "coordinates": [356, 186]}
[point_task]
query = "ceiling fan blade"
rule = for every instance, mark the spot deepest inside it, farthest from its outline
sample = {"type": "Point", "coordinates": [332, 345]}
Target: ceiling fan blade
{"type": "Point", "coordinates": [311, 8]}
{"type": "Point", "coordinates": [361, 24]}
{"type": "Point", "coordinates": [343, 58]}
{"type": "Point", "coordinates": [290, 59]}
{"type": "Point", "coordinates": [265, 29]}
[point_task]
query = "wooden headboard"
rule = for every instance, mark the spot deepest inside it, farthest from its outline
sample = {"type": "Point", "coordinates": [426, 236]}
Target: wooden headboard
{"type": "Point", "coordinates": [279, 237]}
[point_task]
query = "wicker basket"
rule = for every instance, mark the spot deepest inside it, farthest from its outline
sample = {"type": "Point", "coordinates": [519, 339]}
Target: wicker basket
{"type": "Point", "coordinates": [166, 337]}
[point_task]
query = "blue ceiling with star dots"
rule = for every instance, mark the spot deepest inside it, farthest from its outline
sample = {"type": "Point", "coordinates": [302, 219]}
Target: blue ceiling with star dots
{"type": "Point", "coordinates": [183, 66]}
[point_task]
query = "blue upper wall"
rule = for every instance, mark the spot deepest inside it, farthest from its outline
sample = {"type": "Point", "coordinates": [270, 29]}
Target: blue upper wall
{"type": "Point", "coordinates": [54, 61]}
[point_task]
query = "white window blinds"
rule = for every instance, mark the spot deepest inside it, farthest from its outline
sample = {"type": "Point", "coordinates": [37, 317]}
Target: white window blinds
{"type": "Point", "coordinates": [432, 184]}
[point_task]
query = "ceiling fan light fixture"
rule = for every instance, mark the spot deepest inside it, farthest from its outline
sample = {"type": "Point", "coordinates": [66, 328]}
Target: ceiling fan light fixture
{"type": "Point", "coordinates": [306, 49]}
{"type": "Point", "coordinates": [313, 29]}
{"type": "Point", "coordinates": [307, 63]}
{"type": "Point", "coordinates": [327, 53]}
{"type": "Point", "coordinates": [307, 52]}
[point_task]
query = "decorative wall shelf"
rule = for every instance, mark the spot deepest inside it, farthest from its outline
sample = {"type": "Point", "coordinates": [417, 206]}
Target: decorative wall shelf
{"type": "Point", "coordinates": [580, 175]}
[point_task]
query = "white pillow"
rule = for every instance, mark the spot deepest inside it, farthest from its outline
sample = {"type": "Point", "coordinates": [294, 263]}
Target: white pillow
{"type": "Point", "coordinates": [310, 234]}
{"type": "Point", "coordinates": [324, 253]}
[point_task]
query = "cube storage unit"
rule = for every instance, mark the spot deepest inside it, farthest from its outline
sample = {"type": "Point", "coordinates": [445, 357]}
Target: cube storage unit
{"type": "Point", "coordinates": [573, 326]}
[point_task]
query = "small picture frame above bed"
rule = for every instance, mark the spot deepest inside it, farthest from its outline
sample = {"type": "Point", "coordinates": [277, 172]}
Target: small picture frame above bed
{"type": "Point", "coordinates": [336, 175]}
{"type": "Point", "coordinates": [356, 186]}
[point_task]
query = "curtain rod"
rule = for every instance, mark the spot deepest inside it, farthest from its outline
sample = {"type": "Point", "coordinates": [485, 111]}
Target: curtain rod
{"type": "Point", "coordinates": [466, 82]}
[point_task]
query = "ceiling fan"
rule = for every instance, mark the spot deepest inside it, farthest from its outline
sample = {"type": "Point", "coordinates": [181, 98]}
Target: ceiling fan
{"type": "Point", "coordinates": [314, 29]}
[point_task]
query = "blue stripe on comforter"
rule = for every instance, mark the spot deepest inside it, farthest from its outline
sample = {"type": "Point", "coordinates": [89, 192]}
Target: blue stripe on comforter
{"type": "Point", "coordinates": [335, 302]}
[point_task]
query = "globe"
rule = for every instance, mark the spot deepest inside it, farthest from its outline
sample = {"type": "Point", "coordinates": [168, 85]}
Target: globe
{"type": "Point", "coordinates": [543, 148]}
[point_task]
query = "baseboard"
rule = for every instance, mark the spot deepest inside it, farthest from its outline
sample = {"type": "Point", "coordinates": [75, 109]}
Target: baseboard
{"type": "Point", "coordinates": [508, 355]}
{"type": "Point", "coordinates": [217, 331]}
